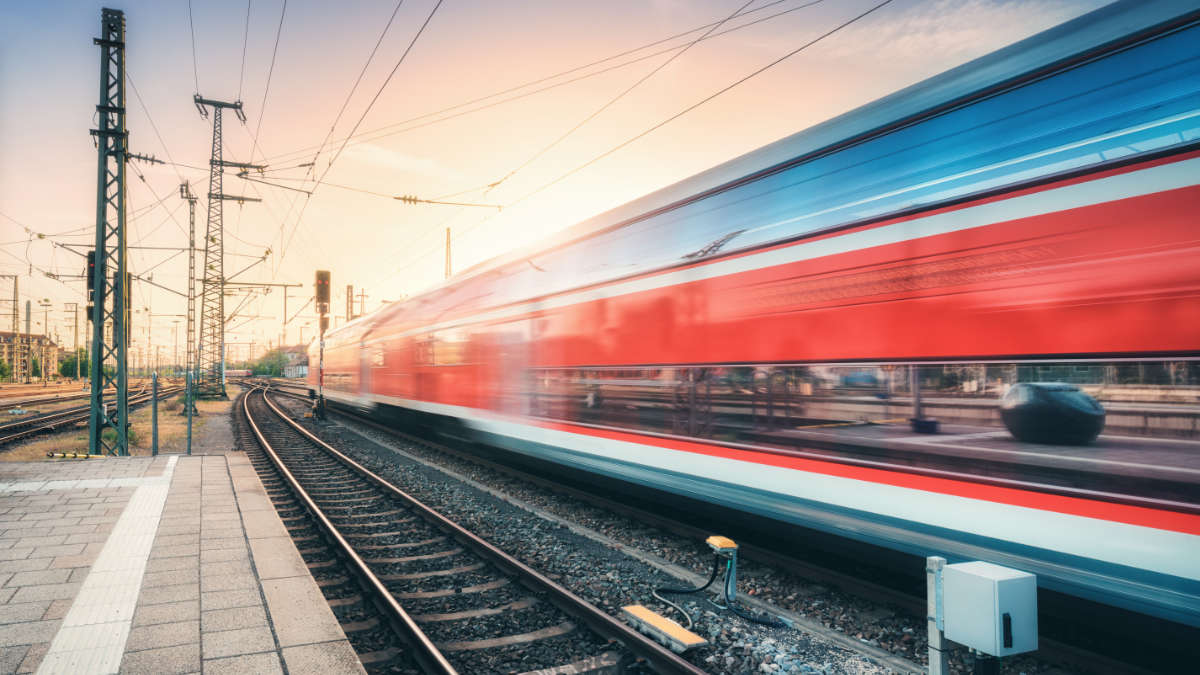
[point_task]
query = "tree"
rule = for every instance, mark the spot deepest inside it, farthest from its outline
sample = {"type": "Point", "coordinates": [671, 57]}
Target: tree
{"type": "Point", "coordinates": [66, 367]}
{"type": "Point", "coordinates": [5, 370]}
{"type": "Point", "coordinates": [36, 368]}
{"type": "Point", "coordinates": [271, 364]}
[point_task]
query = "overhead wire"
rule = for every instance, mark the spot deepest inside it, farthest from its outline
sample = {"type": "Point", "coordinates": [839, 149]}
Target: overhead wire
{"type": "Point", "coordinates": [559, 74]}
{"type": "Point", "coordinates": [702, 101]}
{"type": "Point", "coordinates": [675, 116]}
{"type": "Point", "coordinates": [612, 101]}
{"type": "Point", "coordinates": [366, 111]}
{"type": "Point", "coordinates": [270, 72]}
{"type": "Point", "coordinates": [370, 57]}
{"type": "Point", "coordinates": [192, 27]}
{"type": "Point", "coordinates": [245, 43]}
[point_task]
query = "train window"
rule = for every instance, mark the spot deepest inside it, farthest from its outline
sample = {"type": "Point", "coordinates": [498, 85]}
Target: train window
{"type": "Point", "coordinates": [735, 403]}
{"type": "Point", "coordinates": [450, 347]}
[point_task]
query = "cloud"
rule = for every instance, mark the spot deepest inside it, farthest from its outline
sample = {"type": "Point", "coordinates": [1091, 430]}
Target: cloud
{"type": "Point", "coordinates": [378, 156]}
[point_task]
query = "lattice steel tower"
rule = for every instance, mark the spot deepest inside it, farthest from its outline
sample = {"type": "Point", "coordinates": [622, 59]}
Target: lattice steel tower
{"type": "Point", "coordinates": [111, 299]}
{"type": "Point", "coordinates": [210, 355]}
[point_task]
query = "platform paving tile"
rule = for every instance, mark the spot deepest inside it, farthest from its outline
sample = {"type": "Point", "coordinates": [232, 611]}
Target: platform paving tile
{"type": "Point", "coordinates": [164, 660]}
{"type": "Point", "coordinates": [322, 659]}
{"type": "Point", "coordinates": [11, 657]}
{"type": "Point", "coordinates": [215, 550]}
{"type": "Point", "coordinates": [163, 635]}
{"type": "Point", "coordinates": [169, 612]}
{"type": "Point", "coordinates": [223, 555]}
{"type": "Point", "coordinates": [266, 663]}
{"type": "Point", "coordinates": [236, 642]}
{"type": "Point", "coordinates": [241, 597]}
{"type": "Point", "coordinates": [44, 592]}
{"type": "Point", "coordinates": [27, 632]}
{"type": "Point", "coordinates": [33, 657]}
{"type": "Point", "coordinates": [215, 620]}
{"type": "Point", "coordinates": [23, 612]}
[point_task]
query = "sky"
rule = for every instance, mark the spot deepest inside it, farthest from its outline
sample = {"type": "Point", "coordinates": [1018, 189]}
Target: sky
{"type": "Point", "coordinates": [429, 124]}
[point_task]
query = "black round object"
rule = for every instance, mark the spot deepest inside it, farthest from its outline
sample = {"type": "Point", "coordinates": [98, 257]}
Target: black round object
{"type": "Point", "coordinates": [1051, 412]}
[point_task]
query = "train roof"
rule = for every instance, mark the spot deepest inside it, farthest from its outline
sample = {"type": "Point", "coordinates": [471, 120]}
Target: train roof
{"type": "Point", "coordinates": [994, 70]}
{"type": "Point", "coordinates": [1084, 33]}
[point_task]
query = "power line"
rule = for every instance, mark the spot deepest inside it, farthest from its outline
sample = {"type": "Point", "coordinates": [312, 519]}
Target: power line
{"type": "Point", "coordinates": [300, 217]}
{"type": "Point", "coordinates": [192, 26]}
{"type": "Point", "coordinates": [383, 86]}
{"type": "Point", "coordinates": [547, 78]}
{"type": "Point", "coordinates": [676, 116]}
{"type": "Point", "coordinates": [245, 42]}
{"type": "Point", "coordinates": [533, 158]}
{"type": "Point", "coordinates": [262, 108]}
{"type": "Point", "coordinates": [701, 102]}
{"type": "Point", "coordinates": [354, 88]}
{"type": "Point", "coordinates": [150, 118]}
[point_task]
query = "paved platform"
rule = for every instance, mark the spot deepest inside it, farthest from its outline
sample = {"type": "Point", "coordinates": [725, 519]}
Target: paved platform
{"type": "Point", "coordinates": [171, 564]}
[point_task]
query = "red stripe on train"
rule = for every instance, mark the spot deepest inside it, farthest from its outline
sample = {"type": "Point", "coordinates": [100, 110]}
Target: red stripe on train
{"type": "Point", "coordinates": [1119, 513]}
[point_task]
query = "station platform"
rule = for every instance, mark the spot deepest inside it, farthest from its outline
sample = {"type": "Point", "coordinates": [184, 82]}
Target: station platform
{"type": "Point", "coordinates": [171, 564]}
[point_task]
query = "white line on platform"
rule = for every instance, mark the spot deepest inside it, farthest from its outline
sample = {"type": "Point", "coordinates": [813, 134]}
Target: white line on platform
{"type": "Point", "coordinates": [91, 639]}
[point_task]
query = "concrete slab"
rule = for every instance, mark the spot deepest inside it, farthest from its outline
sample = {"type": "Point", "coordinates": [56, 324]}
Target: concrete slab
{"type": "Point", "coordinates": [154, 566]}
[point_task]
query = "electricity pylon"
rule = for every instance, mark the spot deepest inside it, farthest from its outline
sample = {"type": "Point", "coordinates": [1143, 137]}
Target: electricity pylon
{"type": "Point", "coordinates": [111, 300]}
{"type": "Point", "coordinates": [210, 356]}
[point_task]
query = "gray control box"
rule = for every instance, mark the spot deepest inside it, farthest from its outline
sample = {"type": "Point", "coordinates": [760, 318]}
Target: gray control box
{"type": "Point", "coordinates": [990, 608]}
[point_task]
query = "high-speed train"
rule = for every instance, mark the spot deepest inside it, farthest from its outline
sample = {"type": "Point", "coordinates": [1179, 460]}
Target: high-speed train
{"type": "Point", "coordinates": [1041, 202]}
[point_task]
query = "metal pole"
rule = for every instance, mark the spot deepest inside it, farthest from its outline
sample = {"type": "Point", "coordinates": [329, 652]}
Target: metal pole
{"type": "Point", "coordinates": [939, 662]}
{"type": "Point", "coordinates": [76, 343]}
{"type": "Point", "coordinates": [29, 337]}
{"type": "Point", "coordinates": [187, 400]}
{"type": "Point", "coordinates": [914, 379]}
{"type": "Point", "coordinates": [154, 414]}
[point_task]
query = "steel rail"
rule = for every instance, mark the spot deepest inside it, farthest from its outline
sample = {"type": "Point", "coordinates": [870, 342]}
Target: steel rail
{"type": "Point", "coordinates": [61, 418]}
{"type": "Point", "coordinates": [425, 652]}
{"type": "Point", "coordinates": [1054, 650]}
{"type": "Point", "coordinates": [659, 657]}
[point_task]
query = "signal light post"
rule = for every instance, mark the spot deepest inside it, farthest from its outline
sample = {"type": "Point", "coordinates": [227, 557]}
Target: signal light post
{"type": "Point", "coordinates": [322, 294]}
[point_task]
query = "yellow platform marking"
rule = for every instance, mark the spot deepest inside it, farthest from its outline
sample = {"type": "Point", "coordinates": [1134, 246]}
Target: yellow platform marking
{"type": "Point", "coordinates": [679, 639]}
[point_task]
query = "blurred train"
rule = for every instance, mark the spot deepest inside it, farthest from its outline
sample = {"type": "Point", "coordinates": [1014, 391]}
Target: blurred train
{"type": "Point", "coordinates": [1041, 202]}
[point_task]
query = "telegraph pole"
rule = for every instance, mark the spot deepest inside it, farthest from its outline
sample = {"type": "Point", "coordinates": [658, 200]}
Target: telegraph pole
{"type": "Point", "coordinates": [185, 192]}
{"type": "Point", "coordinates": [16, 330]}
{"type": "Point", "coordinates": [447, 253]}
{"type": "Point", "coordinates": [362, 302]}
{"type": "Point", "coordinates": [45, 304]}
{"type": "Point", "coordinates": [349, 302]}
{"type": "Point", "coordinates": [29, 338]}
{"type": "Point", "coordinates": [283, 335]}
{"type": "Point", "coordinates": [111, 293]}
{"type": "Point", "coordinates": [73, 308]}
{"type": "Point", "coordinates": [210, 360]}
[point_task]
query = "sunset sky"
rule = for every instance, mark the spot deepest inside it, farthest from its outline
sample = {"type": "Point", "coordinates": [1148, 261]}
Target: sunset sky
{"type": "Point", "coordinates": [413, 140]}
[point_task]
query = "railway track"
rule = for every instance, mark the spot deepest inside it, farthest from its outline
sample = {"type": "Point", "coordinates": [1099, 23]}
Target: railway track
{"type": "Point", "coordinates": [1073, 651]}
{"type": "Point", "coordinates": [455, 602]}
{"type": "Point", "coordinates": [52, 421]}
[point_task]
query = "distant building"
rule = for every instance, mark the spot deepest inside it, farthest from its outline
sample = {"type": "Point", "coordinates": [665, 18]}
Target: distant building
{"type": "Point", "coordinates": [297, 361]}
{"type": "Point", "coordinates": [17, 346]}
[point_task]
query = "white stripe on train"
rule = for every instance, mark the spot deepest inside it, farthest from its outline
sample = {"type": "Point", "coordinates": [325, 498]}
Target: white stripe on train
{"type": "Point", "coordinates": [1163, 551]}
